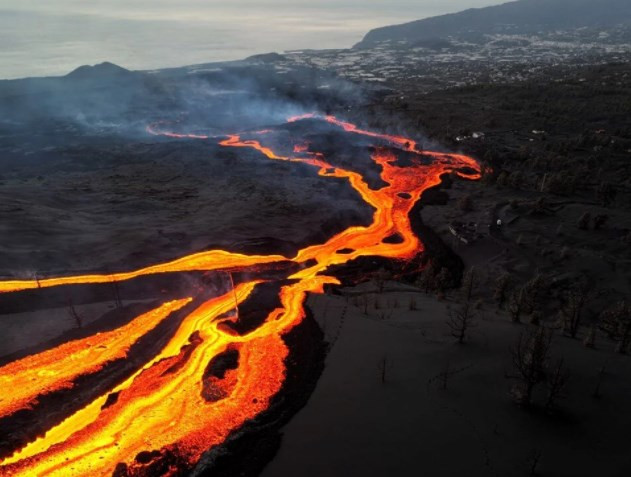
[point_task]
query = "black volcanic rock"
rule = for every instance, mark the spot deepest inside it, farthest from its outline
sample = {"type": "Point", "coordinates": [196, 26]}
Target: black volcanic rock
{"type": "Point", "coordinates": [523, 16]}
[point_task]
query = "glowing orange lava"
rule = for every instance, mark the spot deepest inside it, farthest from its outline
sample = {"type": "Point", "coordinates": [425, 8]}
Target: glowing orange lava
{"type": "Point", "coordinates": [165, 406]}
{"type": "Point", "coordinates": [204, 261]}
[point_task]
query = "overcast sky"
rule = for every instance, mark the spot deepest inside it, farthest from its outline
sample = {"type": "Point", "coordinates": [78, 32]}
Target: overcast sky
{"type": "Point", "coordinates": [52, 37]}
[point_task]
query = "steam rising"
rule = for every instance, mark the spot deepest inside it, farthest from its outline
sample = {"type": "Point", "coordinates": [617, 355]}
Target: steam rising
{"type": "Point", "coordinates": [108, 99]}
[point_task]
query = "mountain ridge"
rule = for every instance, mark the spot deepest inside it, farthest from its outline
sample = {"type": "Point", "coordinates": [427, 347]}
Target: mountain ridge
{"type": "Point", "coordinates": [522, 16]}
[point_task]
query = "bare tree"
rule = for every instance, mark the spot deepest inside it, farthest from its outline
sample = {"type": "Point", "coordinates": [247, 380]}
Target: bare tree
{"type": "Point", "coordinates": [461, 320]}
{"type": "Point", "coordinates": [590, 338]}
{"type": "Point", "coordinates": [365, 304]}
{"type": "Point", "coordinates": [380, 280]}
{"type": "Point", "coordinates": [117, 297]}
{"type": "Point", "coordinates": [605, 194]}
{"type": "Point", "coordinates": [534, 461]}
{"type": "Point", "coordinates": [600, 221]}
{"type": "Point", "coordinates": [446, 374]}
{"type": "Point", "coordinates": [469, 284]}
{"type": "Point", "coordinates": [575, 299]}
{"type": "Point", "coordinates": [115, 288]}
{"type": "Point", "coordinates": [502, 288]}
{"type": "Point", "coordinates": [533, 292]}
{"type": "Point", "coordinates": [530, 359]}
{"type": "Point", "coordinates": [516, 305]}
{"type": "Point", "coordinates": [465, 204]}
{"type": "Point", "coordinates": [385, 314]}
{"type": "Point", "coordinates": [444, 280]}
{"type": "Point", "coordinates": [583, 222]}
{"type": "Point", "coordinates": [557, 382]}
{"type": "Point", "coordinates": [383, 367]}
{"type": "Point", "coordinates": [616, 321]}
{"type": "Point", "coordinates": [427, 280]}
{"type": "Point", "coordinates": [72, 311]}
{"type": "Point", "coordinates": [601, 374]}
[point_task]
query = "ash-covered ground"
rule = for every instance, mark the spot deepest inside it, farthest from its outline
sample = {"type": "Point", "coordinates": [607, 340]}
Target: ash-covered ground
{"type": "Point", "coordinates": [88, 207]}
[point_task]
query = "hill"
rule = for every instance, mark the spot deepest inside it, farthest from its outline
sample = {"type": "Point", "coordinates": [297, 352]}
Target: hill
{"type": "Point", "coordinates": [523, 16]}
{"type": "Point", "coordinates": [99, 72]}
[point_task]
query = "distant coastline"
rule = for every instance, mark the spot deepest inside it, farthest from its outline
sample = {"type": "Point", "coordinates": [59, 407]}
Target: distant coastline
{"type": "Point", "coordinates": [45, 43]}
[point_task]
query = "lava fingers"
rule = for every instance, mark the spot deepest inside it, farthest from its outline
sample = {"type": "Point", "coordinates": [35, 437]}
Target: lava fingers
{"type": "Point", "coordinates": [204, 261]}
{"type": "Point", "coordinates": [165, 407]}
{"type": "Point", "coordinates": [57, 368]}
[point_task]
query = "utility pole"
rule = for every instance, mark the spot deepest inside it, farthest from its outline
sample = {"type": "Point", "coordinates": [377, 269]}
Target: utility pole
{"type": "Point", "coordinates": [234, 294]}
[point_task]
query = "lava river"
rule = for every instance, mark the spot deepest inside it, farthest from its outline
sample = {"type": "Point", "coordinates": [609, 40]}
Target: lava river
{"type": "Point", "coordinates": [172, 405]}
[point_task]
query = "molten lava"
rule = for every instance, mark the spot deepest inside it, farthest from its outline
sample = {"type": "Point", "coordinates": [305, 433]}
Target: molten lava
{"type": "Point", "coordinates": [171, 405]}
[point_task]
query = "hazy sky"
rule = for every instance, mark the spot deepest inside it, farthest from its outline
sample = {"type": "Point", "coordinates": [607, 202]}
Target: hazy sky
{"type": "Point", "coordinates": [52, 37]}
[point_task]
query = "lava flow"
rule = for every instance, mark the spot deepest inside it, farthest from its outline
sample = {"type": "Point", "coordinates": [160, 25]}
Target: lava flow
{"type": "Point", "coordinates": [173, 405]}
